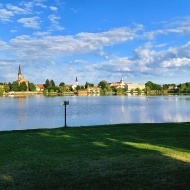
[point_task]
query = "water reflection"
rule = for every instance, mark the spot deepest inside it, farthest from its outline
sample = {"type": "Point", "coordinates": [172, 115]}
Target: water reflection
{"type": "Point", "coordinates": [30, 112]}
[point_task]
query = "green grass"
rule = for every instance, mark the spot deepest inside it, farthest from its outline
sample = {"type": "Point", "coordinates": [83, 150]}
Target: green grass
{"type": "Point", "coordinates": [126, 156]}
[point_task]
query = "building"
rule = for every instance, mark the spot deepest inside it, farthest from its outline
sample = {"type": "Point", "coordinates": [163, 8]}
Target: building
{"type": "Point", "coordinates": [82, 93]}
{"type": "Point", "coordinates": [21, 79]}
{"type": "Point", "coordinates": [40, 87]}
{"type": "Point", "coordinates": [93, 89]}
{"type": "Point", "coordinates": [135, 86]}
{"type": "Point", "coordinates": [75, 85]}
{"type": "Point", "coordinates": [120, 84]}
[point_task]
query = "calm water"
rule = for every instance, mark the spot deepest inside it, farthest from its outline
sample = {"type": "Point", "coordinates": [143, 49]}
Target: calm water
{"type": "Point", "coordinates": [31, 112]}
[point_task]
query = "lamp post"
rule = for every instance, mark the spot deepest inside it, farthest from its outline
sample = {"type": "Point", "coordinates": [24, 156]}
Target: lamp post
{"type": "Point", "coordinates": [65, 103]}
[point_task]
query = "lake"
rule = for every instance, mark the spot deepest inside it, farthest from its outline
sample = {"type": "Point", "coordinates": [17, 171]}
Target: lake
{"type": "Point", "coordinates": [32, 112]}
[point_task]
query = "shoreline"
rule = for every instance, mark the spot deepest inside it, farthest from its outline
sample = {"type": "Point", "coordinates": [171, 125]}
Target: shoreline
{"type": "Point", "coordinates": [97, 126]}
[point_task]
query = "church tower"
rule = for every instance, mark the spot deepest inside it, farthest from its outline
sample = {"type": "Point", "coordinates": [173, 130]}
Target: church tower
{"type": "Point", "coordinates": [19, 74]}
{"type": "Point", "coordinates": [21, 78]}
{"type": "Point", "coordinates": [76, 81]}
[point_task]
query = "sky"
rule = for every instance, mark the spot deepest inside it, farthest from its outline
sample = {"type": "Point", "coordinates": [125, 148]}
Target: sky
{"type": "Point", "coordinates": [94, 40]}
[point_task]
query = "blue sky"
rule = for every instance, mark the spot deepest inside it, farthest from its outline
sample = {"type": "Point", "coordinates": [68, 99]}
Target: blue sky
{"type": "Point", "coordinates": [137, 40]}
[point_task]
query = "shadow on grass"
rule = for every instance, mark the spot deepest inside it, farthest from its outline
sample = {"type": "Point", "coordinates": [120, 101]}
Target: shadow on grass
{"type": "Point", "coordinates": [132, 156]}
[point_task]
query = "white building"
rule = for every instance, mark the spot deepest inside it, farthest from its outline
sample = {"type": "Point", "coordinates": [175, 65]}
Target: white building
{"type": "Point", "coordinates": [135, 86]}
{"type": "Point", "coordinates": [76, 84]}
{"type": "Point", "coordinates": [120, 84]}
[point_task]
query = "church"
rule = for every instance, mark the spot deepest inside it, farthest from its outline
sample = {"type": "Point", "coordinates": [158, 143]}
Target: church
{"type": "Point", "coordinates": [21, 78]}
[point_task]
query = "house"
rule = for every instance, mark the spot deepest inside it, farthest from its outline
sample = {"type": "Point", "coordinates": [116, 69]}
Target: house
{"type": "Point", "coordinates": [93, 89]}
{"type": "Point", "coordinates": [120, 84]}
{"type": "Point", "coordinates": [171, 87]}
{"type": "Point", "coordinates": [40, 87]}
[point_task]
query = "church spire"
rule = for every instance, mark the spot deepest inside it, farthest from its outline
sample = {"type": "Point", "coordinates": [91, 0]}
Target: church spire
{"type": "Point", "coordinates": [76, 81]}
{"type": "Point", "coordinates": [19, 70]}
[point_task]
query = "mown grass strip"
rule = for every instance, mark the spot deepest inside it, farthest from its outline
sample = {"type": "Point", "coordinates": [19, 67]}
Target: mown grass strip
{"type": "Point", "coordinates": [123, 156]}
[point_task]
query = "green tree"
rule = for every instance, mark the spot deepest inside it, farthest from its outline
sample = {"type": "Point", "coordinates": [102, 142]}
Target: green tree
{"type": "Point", "coordinates": [120, 90]}
{"type": "Point", "coordinates": [15, 86]}
{"type": "Point", "coordinates": [152, 86]}
{"type": "Point", "coordinates": [32, 87]}
{"type": "Point", "coordinates": [103, 84]}
{"type": "Point", "coordinates": [139, 91]}
{"type": "Point", "coordinates": [165, 87]}
{"type": "Point", "coordinates": [63, 89]}
{"type": "Point", "coordinates": [1, 91]}
{"type": "Point", "coordinates": [113, 88]}
{"type": "Point", "coordinates": [188, 84]}
{"type": "Point", "coordinates": [88, 85]}
{"type": "Point", "coordinates": [47, 83]}
{"type": "Point", "coordinates": [62, 84]}
{"type": "Point", "coordinates": [23, 86]}
{"type": "Point", "coordinates": [52, 89]}
{"type": "Point", "coordinates": [46, 91]}
{"type": "Point", "coordinates": [6, 88]}
{"type": "Point", "coordinates": [181, 87]}
{"type": "Point", "coordinates": [9, 85]}
{"type": "Point", "coordinates": [149, 85]}
{"type": "Point", "coordinates": [52, 83]}
{"type": "Point", "coordinates": [79, 88]}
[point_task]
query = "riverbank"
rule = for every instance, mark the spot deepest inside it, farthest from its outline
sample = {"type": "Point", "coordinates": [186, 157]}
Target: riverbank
{"type": "Point", "coordinates": [125, 156]}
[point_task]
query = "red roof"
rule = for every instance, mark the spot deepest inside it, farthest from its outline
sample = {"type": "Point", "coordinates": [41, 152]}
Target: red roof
{"type": "Point", "coordinates": [40, 86]}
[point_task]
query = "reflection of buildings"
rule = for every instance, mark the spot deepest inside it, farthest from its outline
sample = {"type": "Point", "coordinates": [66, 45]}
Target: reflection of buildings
{"type": "Point", "coordinates": [21, 106]}
{"type": "Point", "coordinates": [21, 79]}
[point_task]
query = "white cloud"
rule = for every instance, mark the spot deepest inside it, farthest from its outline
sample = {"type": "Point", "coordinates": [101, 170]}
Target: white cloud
{"type": "Point", "coordinates": [41, 33]}
{"type": "Point", "coordinates": [13, 31]}
{"type": "Point", "coordinates": [53, 8]}
{"type": "Point", "coordinates": [27, 5]}
{"type": "Point", "coordinates": [176, 62]}
{"type": "Point", "coordinates": [32, 22]}
{"type": "Point", "coordinates": [16, 9]}
{"type": "Point", "coordinates": [3, 45]}
{"type": "Point", "coordinates": [54, 19]}
{"type": "Point", "coordinates": [5, 15]}
{"type": "Point", "coordinates": [150, 59]}
{"type": "Point", "coordinates": [102, 54]}
{"type": "Point", "coordinates": [39, 4]}
{"type": "Point", "coordinates": [94, 41]}
{"type": "Point", "coordinates": [74, 10]}
{"type": "Point", "coordinates": [79, 44]}
{"type": "Point", "coordinates": [179, 26]}
{"type": "Point", "coordinates": [54, 23]}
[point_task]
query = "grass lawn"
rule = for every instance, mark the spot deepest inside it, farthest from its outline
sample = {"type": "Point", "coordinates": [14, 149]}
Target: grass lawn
{"type": "Point", "coordinates": [123, 156]}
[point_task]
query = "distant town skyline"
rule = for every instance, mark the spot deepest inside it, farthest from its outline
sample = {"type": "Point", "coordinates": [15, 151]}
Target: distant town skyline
{"type": "Point", "coordinates": [95, 40]}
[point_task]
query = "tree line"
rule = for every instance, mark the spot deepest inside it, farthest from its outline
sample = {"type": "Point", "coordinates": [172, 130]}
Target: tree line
{"type": "Point", "coordinates": [183, 87]}
{"type": "Point", "coordinates": [15, 86]}
{"type": "Point", "coordinates": [50, 86]}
